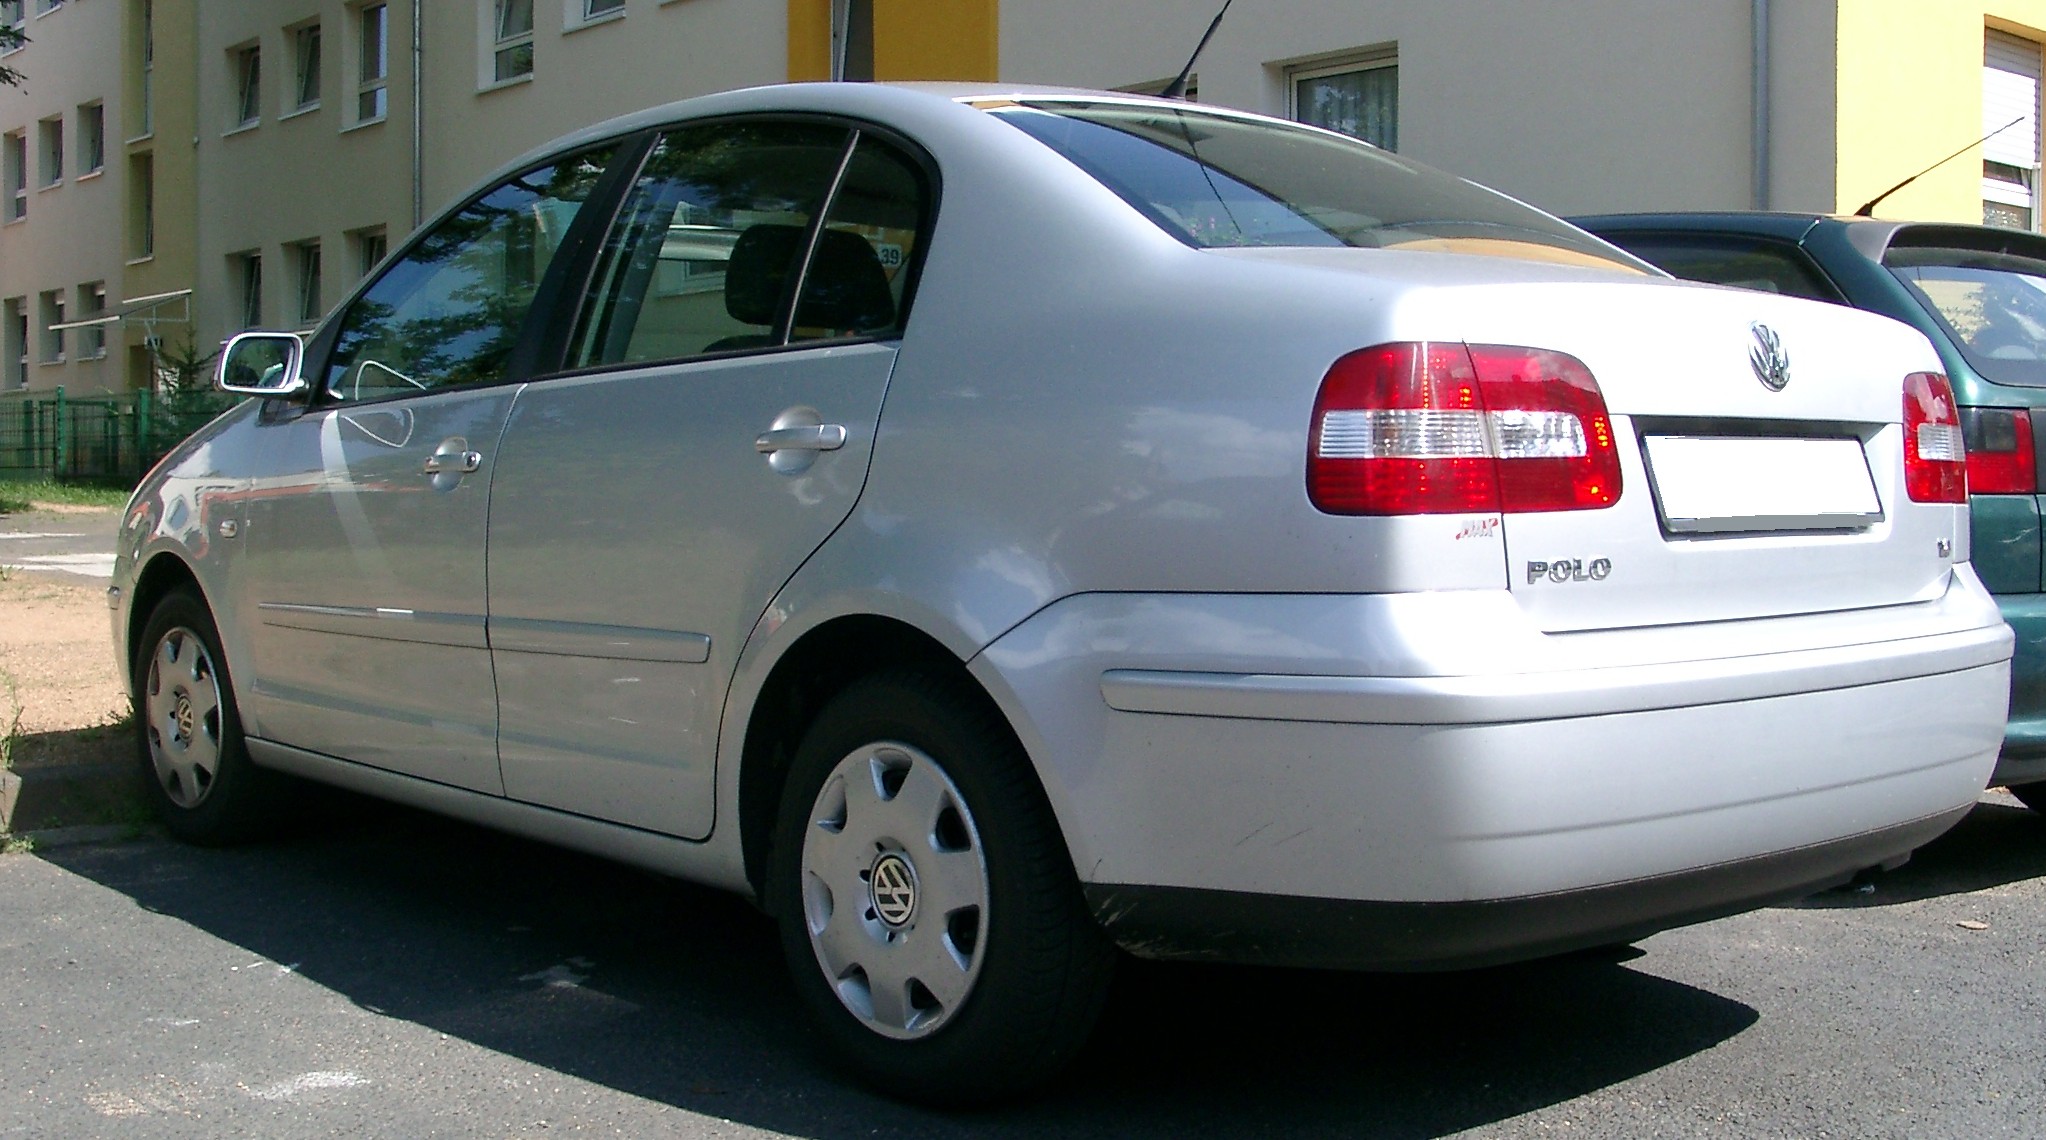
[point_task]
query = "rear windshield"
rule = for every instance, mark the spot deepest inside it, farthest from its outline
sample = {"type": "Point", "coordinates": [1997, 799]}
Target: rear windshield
{"type": "Point", "coordinates": [1992, 305]}
{"type": "Point", "coordinates": [1216, 181]}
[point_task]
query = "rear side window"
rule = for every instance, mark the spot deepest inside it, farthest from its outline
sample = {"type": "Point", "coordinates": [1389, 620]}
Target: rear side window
{"type": "Point", "coordinates": [717, 236]}
{"type": "Point", "coordinates": [1218, 181]}
{"type": "Point", "coordinates": [1742, 262]}
{"type": "Point", "coordinates": [1991, 305]}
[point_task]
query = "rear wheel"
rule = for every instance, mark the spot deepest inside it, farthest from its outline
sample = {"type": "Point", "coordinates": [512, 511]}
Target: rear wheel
{"type": "Point", "coordinates": [2032, 796]}
{"type": "Point", "coordinates": [928, 909]}
{"type": "Point", "coordinates": [200, 779]}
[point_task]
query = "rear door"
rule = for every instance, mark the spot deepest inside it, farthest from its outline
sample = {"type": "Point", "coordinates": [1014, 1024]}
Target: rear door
{"type": "Point", "coordinates": [712, 426]}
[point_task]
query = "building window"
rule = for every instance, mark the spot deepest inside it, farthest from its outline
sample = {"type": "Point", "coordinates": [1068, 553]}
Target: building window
{"type": "Point", "coordinates": [148, 22]}
{"type": "Point", "coordinates": [92, 138]}
{"type": "Point", "coordinates": [305, 43]}
{"type": "Point", "coordinates": [50, 144]}
{"type": "Point", "coordinates": [14, 171]}
{"type": "Point", "coordinates": [12, 14]}
{"type": "Point", "coordinates": [247, 270]}
{"type": "Point", "coordinates": [584, 11]}
{"type": "Point", "coordinates": [142, 205]}
{"type": "Point", "coordinates": [511, 52]}
{"type": "Point", "coordinates": [2010, 117]}
{"type": "Point", "coordinates": [92, 302]}
{"type": "Point", "coordinates": [14, 352]}
{"type": "Point", "coordinates": [852, 40]}
{"type": "Point", "coordinates": [248, 85]}
{"type": "Point", "coordinates": [52, 315]}
{"type": "Point", "coordinates": [370, 247]}
{"type": "Point", "coordinates": [43, 6]}
{"type": "Point", "coordinates": [373, 63]}
{"type": "Point", "coordinates": [305, 257]}
{"type": "Point", "coordinates": [1358, 96]}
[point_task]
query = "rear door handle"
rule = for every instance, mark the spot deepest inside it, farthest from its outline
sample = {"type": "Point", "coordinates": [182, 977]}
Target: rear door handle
{"type": "Point", "coordinates": [808, 437]}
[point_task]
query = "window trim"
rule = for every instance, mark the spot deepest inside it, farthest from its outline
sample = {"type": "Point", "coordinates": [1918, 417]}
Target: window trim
{"type": "Point", "coordinates": [576, 15]}
{"type": "Point", "coordinates": [301, 35]}
{"type": "Point", "coordinates": [94, 111]}
{"type": "Point", "coordinates": [495, 44]}
{"type": "Point", "coordinates": [50, 154]}
{"type": "Point", "coordinates": [380, 83]}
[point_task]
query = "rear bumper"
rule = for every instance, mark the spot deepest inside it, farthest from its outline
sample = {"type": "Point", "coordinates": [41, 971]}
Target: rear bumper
{"type": "Point", "coordinates": [1287, 778]}
{"type": "Point", "coordinates": [1276, 930]}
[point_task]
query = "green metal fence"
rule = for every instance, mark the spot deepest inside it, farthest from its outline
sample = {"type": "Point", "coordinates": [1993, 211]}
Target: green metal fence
{"type": "Point", "coordinates": [110, 438]}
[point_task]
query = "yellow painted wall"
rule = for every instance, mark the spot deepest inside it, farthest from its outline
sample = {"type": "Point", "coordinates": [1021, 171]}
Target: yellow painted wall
{"type": "Point", "coordinates": [913, 39]}
{"type": "Point", "coordinates": [1910, 93]}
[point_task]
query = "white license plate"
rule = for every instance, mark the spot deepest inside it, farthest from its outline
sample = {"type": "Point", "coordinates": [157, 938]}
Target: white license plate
{"type": "Point", "coordinates": [1715, 485]}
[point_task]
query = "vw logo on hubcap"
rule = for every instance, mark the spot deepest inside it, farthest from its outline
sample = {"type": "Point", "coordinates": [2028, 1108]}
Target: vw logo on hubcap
{"type": "Point", "coordinates": [893, 886]}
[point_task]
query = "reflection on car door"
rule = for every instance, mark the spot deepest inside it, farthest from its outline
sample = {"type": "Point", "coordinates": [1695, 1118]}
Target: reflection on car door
{"type": "Point", "coordinates": [366, 537]}
{"type": "Point", "coordinates": [648, 506]}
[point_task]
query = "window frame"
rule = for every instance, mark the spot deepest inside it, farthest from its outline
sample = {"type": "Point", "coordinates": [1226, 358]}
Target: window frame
{"type": "Point", "coordinates": [50, 153]}
{"type": "Point", "coordinates": [500, 47]}
{"type": "Point", "coordinates": [14, 170]}
{"type": "Point", "coordinates": [49, 313]}
{"type": "Point", "coordinates": [92, 303]}
{"type": "Point", "coordinates": [308, 61]}
{"type": "Point", "coordinates": [92, 138]}
{"type": "Point", "coordinates": [579, 14]}
{"type": "Point", "coordinates": [562, 337]}
{"type": "Point", "coordinates": [373, 85]}
{"type": "Point", "coordinates": [1375, 58]}
{"type": "Point", "coordinates": [248, 282]}
{"type": "Point", "coordinates": [245, 65]}
{"type": "Point", "coordinates": [306, 283]}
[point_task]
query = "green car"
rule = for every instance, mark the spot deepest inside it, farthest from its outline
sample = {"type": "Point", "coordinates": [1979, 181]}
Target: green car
{"type": "Point", "coordinates": [1979, 294]}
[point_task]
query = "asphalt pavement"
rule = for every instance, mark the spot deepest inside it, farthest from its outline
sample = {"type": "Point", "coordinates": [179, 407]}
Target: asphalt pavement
{"type": "Point", "coordinates": [76, 546]}
{"type": "Point", "coordinates": [388, 973]}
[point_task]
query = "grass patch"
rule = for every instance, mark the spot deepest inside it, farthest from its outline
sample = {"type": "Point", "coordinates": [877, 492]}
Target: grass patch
{"type": "Point", "coordinates": [10, 737]}
{"type": "Point", "coordinates": [26, 496]}
{"type": "Point", "coordinates": [17, 844]}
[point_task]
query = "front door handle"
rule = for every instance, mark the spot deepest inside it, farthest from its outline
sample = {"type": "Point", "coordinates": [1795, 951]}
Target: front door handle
{"type": "Point", "coordinates": [464, 462]}
{"type": "Point", "coordinates": [807, 437]}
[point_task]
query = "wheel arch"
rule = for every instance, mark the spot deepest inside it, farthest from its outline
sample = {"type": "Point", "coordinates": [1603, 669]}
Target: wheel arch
{"type": "Point", "coordinates": [819, 665]}
{"type": "Point", "coordinates": [164, 573]}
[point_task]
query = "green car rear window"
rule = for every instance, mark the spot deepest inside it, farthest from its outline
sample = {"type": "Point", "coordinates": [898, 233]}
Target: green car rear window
{"type": "Point", "coordinates": [1991, 305]}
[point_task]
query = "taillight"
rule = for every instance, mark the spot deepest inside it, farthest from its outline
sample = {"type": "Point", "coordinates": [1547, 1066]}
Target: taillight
{"type": "Point", "coordinates": [1935, 458]}
{"type": "Point", "coordinates": [2000, 455]}
{"type": "Point", "coordinates": [1408, 429]}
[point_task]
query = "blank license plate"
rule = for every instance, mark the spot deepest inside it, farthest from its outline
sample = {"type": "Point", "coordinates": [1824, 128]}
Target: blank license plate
{"type": "Point", "coordinates": [1711, 485]}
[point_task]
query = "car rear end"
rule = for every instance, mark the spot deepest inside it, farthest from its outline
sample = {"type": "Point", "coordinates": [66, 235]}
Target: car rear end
{"type": "Point", "coordinates": [1640, 604]}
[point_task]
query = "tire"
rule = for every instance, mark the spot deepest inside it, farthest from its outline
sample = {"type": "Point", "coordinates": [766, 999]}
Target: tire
{"type": "Point", "coordinates": [2031, 795]}
{"type": "Point", "coordinates": [986, 974]}
{"type": "Point", "coordinates": [194, 764]}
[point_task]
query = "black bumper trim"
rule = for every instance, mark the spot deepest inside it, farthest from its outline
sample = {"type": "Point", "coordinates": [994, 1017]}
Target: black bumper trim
{"type": "Point", "coordinates": [1197, 924]}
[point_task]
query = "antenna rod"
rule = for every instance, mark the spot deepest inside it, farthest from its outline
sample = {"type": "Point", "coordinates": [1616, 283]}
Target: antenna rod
{"type": "Point", "coordinates": [1868, 208]}
{"type": "Point", "coordinates": [1177, 88]}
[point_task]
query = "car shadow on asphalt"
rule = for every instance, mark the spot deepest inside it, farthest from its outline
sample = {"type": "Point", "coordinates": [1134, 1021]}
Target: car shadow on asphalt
{"type": "Point", "coordinates": [1997, 843]}
{"type": "Point", "coordinates": [677, 994]}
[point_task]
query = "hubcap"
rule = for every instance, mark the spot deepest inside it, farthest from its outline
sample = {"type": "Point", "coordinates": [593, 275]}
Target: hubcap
{"type": "Point", "coordinates": [895, 890]}
{"type": "Point", "coordinates": [181, 704]}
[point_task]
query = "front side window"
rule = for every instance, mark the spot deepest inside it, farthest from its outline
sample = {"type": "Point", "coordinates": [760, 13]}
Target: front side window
{"type": "Point", "coordinates": [1992, 305]}
{"type": "Point", "coordinates": [248, 73]}
{"type": "Point", "coordinates": [717, 231]}
{"type": "Point", "coordinates": [512, 44]}
{"type": "Point", "coordinates": [1359, 98]}
{"type": "Point", "coordinates": [373, 63]}
{"type": "Point", "coordinates": [1217, 181]}
{"type": "Point", "coordinates": [449, 311]}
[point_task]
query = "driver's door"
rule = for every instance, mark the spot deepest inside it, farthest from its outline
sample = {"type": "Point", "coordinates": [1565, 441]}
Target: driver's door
{"type": "Point", "coordinates": [366, 538]}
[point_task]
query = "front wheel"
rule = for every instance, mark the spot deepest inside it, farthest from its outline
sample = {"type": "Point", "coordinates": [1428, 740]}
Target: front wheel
{"type": "Point", "coordinates": [197, 770]}
{"type": "Point", "coordinates": [928, 909]}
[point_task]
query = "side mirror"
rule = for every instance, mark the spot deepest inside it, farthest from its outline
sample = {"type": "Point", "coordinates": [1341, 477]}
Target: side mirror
{"type": "Point", "coordinates": [262, 364]}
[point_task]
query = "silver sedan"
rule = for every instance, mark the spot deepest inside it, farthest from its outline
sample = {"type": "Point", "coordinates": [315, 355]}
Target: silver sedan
{"type": "Point", "coordinates": [992, 527]}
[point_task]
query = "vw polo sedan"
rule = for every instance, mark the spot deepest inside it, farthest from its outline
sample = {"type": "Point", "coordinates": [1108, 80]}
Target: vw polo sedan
{"type": "Point", "coordinates": [992, 527]}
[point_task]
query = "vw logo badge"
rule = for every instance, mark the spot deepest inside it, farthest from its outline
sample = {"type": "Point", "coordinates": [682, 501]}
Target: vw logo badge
{"type": "Point", "coordinates": [1770, 362]}
{"type": "Point", "coordinates": [893, 885]}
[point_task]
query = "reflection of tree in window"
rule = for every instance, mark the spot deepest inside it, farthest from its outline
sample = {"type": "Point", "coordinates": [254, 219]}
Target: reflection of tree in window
{"type": "Point", "coordinates": [449, 312]}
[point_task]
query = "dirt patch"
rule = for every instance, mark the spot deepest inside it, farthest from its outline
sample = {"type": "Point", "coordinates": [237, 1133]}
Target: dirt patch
{"type": "Point", "coordinates": [57, 671]}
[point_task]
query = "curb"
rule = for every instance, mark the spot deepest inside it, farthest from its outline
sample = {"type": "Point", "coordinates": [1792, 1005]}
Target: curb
{"type": "Point", "coordinates": [40, 799]}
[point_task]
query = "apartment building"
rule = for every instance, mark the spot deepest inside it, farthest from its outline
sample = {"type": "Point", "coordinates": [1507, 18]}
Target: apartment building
{"type": "Point", "coordinates": [84, 231]}
{"type": "Point", "coordinates": [320, 131]}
